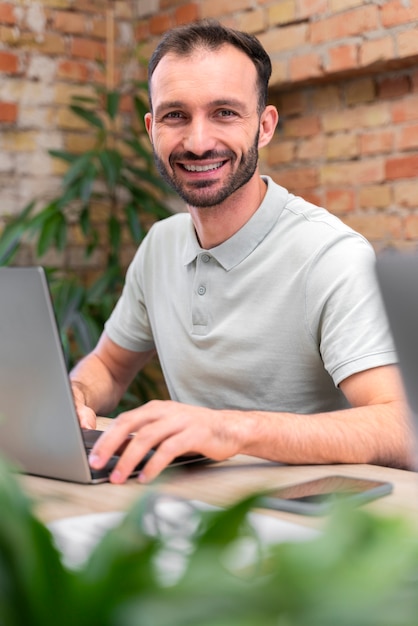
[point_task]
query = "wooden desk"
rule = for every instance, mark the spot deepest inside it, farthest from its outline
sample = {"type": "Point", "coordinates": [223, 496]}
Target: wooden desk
{"type": "Point", "coordinates": [220, 484]}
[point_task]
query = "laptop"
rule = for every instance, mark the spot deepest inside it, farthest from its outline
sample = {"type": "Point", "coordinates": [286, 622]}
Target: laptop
{"type": "Point", "coordinates": [39, 429]}
{"type": "Point", "coordinates": [397, 274]}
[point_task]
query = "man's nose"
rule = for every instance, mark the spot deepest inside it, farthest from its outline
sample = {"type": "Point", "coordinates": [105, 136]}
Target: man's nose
{"type": "Point", "coordinates": [199, 137]}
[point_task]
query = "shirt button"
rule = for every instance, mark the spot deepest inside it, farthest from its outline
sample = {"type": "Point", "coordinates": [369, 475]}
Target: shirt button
{"type": "Point", "coordinates": [205, 258]}
{"type": "Point", "coordinates": [201, 290]}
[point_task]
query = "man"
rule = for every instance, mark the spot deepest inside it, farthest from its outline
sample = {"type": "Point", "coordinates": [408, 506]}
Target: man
{"type": "Point", "coordinates": [263, 308]}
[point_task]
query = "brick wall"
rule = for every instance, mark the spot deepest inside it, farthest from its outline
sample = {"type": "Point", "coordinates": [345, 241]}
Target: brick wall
{"type": "Point", "coordinates": [345, 81]}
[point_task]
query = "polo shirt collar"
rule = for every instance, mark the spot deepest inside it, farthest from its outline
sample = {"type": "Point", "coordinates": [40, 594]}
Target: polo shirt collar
{"type": "Point", "coordinates": [235, 249]}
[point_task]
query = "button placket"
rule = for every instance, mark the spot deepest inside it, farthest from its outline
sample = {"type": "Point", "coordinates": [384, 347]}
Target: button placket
{"type": "Point", "coordinates": [200, 303]}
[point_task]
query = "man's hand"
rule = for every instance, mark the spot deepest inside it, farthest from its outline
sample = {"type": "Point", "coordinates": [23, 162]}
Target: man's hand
{"type": "Point", "coordinates": [175, 429]}
{"type": "Point", "coordinates": [86, 415]}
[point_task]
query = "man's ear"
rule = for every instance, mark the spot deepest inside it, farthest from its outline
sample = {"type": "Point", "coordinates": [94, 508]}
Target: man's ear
{"type": "Point", "coordinates": [148, 124]}
{"type": "Point", "coordinates": [268, 122]}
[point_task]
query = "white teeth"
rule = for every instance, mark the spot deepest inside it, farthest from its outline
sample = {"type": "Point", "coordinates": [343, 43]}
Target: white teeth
{"type": "Point", "coordinates": [202, 168]}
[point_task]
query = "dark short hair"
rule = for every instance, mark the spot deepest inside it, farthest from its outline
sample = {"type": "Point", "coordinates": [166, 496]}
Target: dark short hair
{"type": "Point", "coordinates": [212, 35]}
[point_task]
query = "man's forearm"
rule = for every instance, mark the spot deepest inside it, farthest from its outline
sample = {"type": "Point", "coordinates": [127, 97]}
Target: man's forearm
{"type": "Point", "coordinates": [100, 390]}
{"type": "Point", "coordinates": [378, 434]}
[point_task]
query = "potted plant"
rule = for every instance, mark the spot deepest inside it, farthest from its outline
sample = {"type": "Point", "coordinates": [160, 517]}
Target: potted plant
{"type": "Point", "coordinates": [362, 570]}
{"type": "Point", "coordinates": [117, 172]}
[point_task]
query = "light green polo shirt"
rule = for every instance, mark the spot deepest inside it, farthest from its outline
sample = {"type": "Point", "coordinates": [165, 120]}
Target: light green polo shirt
{"type": "Point", "coordinates": [272, 319]}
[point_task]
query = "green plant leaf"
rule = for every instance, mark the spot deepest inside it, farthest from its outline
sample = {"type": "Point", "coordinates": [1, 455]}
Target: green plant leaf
{"type": "Point", "coordinates": [84, 99]}
{"type": "Point", "coordinates": [69, 157]}
{"type": "Point", "coordinates": [112, 103]}
{"type": "Point", "coordinates": [78, 168]}
{"type": "Point", "coordinates": [134, 223]}
{"type": "Point", "coordinates": [111, 162]}
{"type": "Point", "coordinates": [139, 149]}
{"type": "Point", "coordinates": [37, 222]}
{"type": "Point", "coordinates": [141, 108]}
{"type": "Point", "coordinates": [87, 115]}
{"type": "Point", "coordinates": [34, 584]}
{"type": "Point", "coordinates": [52, 231]}
{"type": "Point", "coordinates": [108, 281]}
{"type": "Point", "coordinates": [115, 233]}
{"type": "Point", "coordinates": [12, 233]}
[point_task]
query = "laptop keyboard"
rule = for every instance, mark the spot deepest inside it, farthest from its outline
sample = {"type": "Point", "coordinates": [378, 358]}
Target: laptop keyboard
{"type": "Point", "coordinates": [91, 436]}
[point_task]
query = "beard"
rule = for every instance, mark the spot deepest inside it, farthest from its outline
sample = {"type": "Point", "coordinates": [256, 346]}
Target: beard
{"type": "Point", "coordinates": [200, 193]}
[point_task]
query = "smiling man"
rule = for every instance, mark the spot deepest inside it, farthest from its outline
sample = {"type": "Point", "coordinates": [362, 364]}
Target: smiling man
{"type": "Point", "coordinates": [263, 309]}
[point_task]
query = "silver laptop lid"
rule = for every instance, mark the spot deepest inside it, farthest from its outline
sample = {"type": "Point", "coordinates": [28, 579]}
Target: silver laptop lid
{"type": "Point", "coordinates": [39, 428]}
{"type": "Point", "coordinates": [397, 274]}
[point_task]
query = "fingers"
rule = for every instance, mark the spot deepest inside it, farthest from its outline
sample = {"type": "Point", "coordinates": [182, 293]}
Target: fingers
{"type": "Point", "coordinates": [172, 429]}
{"type": "Point", "coordinates": [167, 451]}
{"type": "Point", "coordinates": [151, 433]}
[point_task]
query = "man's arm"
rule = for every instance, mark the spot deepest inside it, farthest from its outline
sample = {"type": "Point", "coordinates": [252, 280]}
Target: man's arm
{"type": "Point", "coordinates": [376, 430]}
{"type": "Point", "coordinates": [100, 379]}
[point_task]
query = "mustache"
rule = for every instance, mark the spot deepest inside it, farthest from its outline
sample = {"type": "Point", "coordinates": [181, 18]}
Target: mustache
{"type": "Point", "coordinates": [209, 154]}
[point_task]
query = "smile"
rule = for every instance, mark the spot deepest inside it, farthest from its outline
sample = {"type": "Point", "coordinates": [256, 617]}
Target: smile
{"type": "Point", "coordinates": [203, 168]}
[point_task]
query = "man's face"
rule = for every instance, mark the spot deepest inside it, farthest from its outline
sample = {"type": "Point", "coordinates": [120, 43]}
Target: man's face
{"type": "Point", "coordinates": [205, 124]}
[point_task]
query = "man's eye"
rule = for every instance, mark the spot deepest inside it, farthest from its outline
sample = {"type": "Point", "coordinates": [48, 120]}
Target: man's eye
{"type": "Point", "coordinates": [174, 115]}
{"type": "Point", "coordinates": [226, 113]}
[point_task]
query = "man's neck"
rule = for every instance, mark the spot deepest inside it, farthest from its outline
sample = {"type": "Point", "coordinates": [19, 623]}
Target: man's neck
{"type": "Point", "coordinates": [216, 224]}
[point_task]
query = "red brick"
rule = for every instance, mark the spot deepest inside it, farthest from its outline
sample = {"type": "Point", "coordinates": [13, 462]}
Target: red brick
{"type": "Point", "coordinates": [99, 28]}
{"type": "Point", "coordinates": [328, 97]}
{"type": "Point", "coordinates": [187, 13]}
{"type": "Point", "coordinates": [160, 23]}
{"type": "Point", "coordinates": [7, 13]}
{"type": "Point", "coordinates": [285, 38]}
{"type": "Point", "coordinates": [411, 227]}
{"type": "Point", "coordinates": [311, 148]}
{"type": "Point", "coordinates": [364, 171]}
{"type": "Point", "coordinates": [376, 227]}
{"type": "Point", "coordinates": [9, 62]}
{"type": "Point", "coordinates": [88, 49]}
{"type": "Point", "coordinates": [406, 193]}
{"type": "Point", "coordinates": [290, 103]}
{"type": "Point", "coordinates": [313, 197]}
{"type": "Point", "coordinates": [340, 201]}
{"type": "Point", "coordinates": [86, 6]}
{"type": "Point", "coordinates": [297, 179]}
{"type": "Point", "coordinates": [8, 112]}
{"type": "Point", "coordinates": [397, 12]}
{"type": "Point", "coordinates": [281, 152]}
{"type": "Point", "coordinates": [360, 91]}
{"type": "Point", "coordinates": [376, 51]}
{"type": "Point", "coordinates": [305, 67]}
{"type": "Point", "coordinates": [309, 8]}
{"type": "Point", "coordinates": [169, 4]}
{"type": "Point", "coordinates": [394, 87]}
{"type": "Point", "coordinates": [302, 126]}
{"type": "Point", "coordinates": [380, 142]}
{"type": "Point", "coordinates": [346, 24]}
{"type": "Point", "coordinates": [375, 196]}
{"type": "Point", "coordinates": [342, 146]}
{"type": "Point", "coordinates": [219, 8]}
{"type": "Point", "coordinates": [141, 30]}
{"type": "Point", "coordinates": [69, 22]}
{"type": "Point", "coordinates": [251, 21]}
{"type": "Point", "coordinates": [407, 43]}
{"type": "Point", "coordinates": [73, 70]}
{"type": "Point", "coordinates": [342, 58]}
{"type": "Point", "coordinates": [405, 110]}
{"type": "Point", "coordinates": [402, 167]}
{"type": "Point", "coordinates": [408, 138]}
